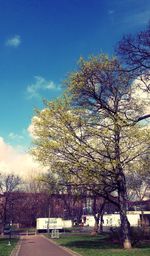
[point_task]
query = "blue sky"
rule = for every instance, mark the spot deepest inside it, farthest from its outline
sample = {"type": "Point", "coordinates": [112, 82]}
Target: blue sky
{"type": "Point", "coordinates": [41, 42]}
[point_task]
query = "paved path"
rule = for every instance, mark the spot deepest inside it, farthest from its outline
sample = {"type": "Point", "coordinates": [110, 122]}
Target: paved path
{"type": "Point", "coordinates": [40, 246]}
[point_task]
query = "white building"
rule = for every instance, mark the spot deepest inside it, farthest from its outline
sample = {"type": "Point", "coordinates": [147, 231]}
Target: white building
{"type": "Point", "coordinates": [113, 220]}
{"type": "Point", "coordinates": [52, 223]}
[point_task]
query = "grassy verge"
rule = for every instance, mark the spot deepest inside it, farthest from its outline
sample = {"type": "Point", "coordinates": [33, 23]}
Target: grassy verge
{"type": "Point", "coordinates": [87, 245]}
{"type": "Point", "coordinates": [5, 249]}
{"type": "Point", "coordinates": [24, 230]}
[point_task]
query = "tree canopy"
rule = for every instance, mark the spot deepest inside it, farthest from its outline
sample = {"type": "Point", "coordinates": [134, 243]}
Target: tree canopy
{"type": "Point", "coordinates": [134, 52]}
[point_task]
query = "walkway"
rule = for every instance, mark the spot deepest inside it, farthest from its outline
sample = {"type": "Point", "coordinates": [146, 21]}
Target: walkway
{"type": "Point", "coordinates": [40, 246]}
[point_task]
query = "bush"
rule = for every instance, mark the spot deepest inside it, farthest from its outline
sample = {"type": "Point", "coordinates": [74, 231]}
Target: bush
{"type": "Point", "coordinates": [139, 234]}
{"type": "Point", "coordinates": [115, 234]}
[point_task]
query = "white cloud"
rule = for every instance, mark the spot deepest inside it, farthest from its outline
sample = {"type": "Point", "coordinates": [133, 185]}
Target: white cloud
{"type": "Point", "coordinates": [40, 84]}
{"type": "Point", "coordinates": [30, 129]}
{"type": "Point", "coordinates": [14, 136]}
{"type": "Point", "coordinates": [14, 41]}
{"type": "Point", "coordinates": [14, 161]}
{"type": "Point", "coordinates": [142, 96]}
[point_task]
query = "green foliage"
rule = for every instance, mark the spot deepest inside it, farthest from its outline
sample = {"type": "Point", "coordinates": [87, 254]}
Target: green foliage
{"type": "Point", "coordinates": [76, 137]}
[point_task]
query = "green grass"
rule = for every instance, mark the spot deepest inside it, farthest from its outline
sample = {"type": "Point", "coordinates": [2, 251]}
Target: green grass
{"type": "Point", "coordinates": [87, 245]}
{"type": "Point", "coordinates": [25, 229]}
{"type": "Point", "coordinates": [6, 249]}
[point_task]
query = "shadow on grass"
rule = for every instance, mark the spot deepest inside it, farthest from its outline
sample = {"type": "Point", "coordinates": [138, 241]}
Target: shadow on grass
{"type": "Point", "coordinates": [99, 242]}
{"type": "Point", "coordinates": [5, 240]}
{"type": "Point", "coordinates": [91, 243]}
{"type": "Point", "coordinates": [144, 244]}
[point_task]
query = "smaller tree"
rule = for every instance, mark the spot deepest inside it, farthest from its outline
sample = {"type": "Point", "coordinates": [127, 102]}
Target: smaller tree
{"type": "Point", "coordinates": [8, 185]}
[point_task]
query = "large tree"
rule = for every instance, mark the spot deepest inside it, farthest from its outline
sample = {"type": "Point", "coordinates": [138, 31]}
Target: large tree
{"type": "Point", "coordinates": [91, 139]}
{"type": "Point", "coordinates": [103, 88]}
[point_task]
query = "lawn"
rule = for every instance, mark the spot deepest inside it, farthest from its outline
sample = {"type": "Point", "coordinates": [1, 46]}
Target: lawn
{"type": "Point", "coordinates": [87, 245]}
{"type": "Point", "coordinates": [6, 249]}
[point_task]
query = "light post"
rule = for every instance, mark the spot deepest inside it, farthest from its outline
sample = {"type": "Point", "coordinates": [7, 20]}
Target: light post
{"type": "Point", "coordinates": [49, 212]}
{"type": "Point", "coordinates": [65, 213]}
{"type": "Point", "coordinates": [10, 226]}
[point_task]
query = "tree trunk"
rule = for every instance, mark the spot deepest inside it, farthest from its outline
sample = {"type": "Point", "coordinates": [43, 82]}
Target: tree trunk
{"type": "Point", "coordinates": [98, 216]}
{"type": "Point", "coordinates": [101, 216]}
{"type": "Point", "coordinates": [122, 190]}
{"type": "Point", "coordinates": [125, 225]}
{"type": "Point", "coordinates": [96, 227]}
{"type": "Point", "coordinates": [101, 222]}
